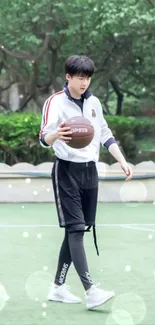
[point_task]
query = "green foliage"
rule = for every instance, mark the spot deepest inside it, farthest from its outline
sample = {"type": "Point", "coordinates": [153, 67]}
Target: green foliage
{"type": "Point", "coordinates": [136, 126]}
{"type": "Point", "coordinates": [128, 131]}
{"type": "Point", "coordinates": [19, 138]}
{"type": "Point", "coordinates": [117, 35]}
{"type": "Point", "coordinates": [132, 107]}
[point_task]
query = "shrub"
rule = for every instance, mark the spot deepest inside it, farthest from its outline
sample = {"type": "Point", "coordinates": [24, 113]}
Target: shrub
{"type": "Point", "coordinates": [19, 138]}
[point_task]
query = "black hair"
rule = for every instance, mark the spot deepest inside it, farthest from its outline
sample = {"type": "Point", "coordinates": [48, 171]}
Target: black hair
{"type": "Point", "coordinates": [79, 65]}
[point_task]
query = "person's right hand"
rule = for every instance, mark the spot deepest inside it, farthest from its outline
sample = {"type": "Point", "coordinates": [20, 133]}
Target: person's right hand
{"type": "Point", "coordinates": [64, 133]}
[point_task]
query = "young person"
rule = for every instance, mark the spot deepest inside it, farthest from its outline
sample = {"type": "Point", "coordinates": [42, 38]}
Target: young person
{"type": "Point", "coordinates": [74, 175]}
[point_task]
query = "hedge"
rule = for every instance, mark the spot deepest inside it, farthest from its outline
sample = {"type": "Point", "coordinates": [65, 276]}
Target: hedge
{"type": "Point", "coordinates": [19, 137]}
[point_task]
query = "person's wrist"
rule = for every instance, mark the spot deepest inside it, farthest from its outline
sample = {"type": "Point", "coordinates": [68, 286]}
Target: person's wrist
{"type": "Point", "coordinates": [56, 136]}
{"type": "Point", "coordinates": [51, 137]}
{"type": "Point", "coordinates": [123, 161]}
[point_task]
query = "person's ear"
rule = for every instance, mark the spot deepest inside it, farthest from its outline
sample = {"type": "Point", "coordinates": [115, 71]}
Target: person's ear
{"type": "Point", "coordinates": [68, 77]}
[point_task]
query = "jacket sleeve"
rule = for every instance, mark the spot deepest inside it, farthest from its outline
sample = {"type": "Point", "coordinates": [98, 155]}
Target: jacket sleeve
{"type": "Point", "coordinates": [107, 137]}
{"type": "Point", "coordinates": [50, 119]}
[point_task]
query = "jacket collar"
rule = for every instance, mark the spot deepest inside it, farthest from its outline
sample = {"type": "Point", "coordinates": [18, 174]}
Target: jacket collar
{"type": "Point", "coordinates": [85, 95]}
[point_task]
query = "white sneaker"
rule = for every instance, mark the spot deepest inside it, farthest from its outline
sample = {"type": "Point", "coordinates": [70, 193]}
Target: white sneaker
{"type": "Point", "coordinates": [96, 297]}
{"type": "Point", "coordinates": [62, 294]}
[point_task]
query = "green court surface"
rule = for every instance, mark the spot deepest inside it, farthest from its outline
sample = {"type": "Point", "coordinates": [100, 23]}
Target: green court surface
{"type": "Point", "coordinates": [29, 245]}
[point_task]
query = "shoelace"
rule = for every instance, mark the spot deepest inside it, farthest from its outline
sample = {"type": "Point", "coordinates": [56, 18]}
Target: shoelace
{"type": "Point", "coordinates": [94, 286]}
{"type": "Point", "coordinates": [66, 286]}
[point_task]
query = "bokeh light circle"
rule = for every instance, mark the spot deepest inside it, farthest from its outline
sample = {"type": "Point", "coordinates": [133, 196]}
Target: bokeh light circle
{"type": "Point", "coordinates": [37, 285]}
{"type": "Point", "coordinates": [131, 303]}
{"type": "Point", "coordinates": [3, 297]}
{"type": "Point", "coordinates": [119, 317]}
{"type": "Point", "coordinates": [133, 192]}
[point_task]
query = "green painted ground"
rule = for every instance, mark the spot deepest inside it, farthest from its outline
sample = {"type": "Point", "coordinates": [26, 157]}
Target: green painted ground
{"type": "Point", "coordinates": [29, 244]}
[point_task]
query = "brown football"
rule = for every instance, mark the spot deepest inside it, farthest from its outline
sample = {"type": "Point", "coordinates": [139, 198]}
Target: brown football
{"type": "Point", "coordinates": [82, 132]}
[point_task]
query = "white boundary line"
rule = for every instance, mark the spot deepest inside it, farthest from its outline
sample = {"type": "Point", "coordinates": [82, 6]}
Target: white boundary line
{"type": "Point", "coordinates": [138, 228]}
{"type": "Point", "coordinates": [124, 224]}
{"type": "Point", "coordinates": [134, 226]}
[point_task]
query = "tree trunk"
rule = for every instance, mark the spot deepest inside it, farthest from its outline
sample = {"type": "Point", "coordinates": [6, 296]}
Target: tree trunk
{"type": "Point", "coordinates": [119, 104]}
{"type": "Point", "coordinates": [119, 94]}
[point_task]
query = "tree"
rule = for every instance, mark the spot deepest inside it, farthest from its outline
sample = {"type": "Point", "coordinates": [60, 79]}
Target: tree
{"type": "Point", "coordinates": [117, 35]}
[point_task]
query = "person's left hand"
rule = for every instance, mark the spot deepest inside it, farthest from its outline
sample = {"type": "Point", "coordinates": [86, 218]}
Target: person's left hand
{"type": "Point", "coordinates": [127, 170]}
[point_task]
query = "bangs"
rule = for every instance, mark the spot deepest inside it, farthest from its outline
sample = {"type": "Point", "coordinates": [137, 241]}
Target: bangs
{"type": "Point", "coordinates": [80, 65]}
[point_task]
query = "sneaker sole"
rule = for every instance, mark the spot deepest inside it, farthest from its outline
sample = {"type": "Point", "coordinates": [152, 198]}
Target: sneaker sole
{"type": "Point", "coordinates": [102, 302]}
{"type": "Point", "coordinates": [56, 299]}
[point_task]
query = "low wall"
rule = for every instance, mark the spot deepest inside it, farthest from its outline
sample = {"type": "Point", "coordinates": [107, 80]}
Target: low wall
{"type": "Point", "coordinates": [28, 183]}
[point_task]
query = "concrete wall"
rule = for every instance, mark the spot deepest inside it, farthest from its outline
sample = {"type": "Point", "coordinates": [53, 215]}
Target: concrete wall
{"type": "Point", "coordinates": [29, 188]}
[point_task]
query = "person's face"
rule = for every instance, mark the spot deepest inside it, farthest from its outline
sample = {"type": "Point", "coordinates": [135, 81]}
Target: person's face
{"type": "Point", "coordinates": [78, 83]}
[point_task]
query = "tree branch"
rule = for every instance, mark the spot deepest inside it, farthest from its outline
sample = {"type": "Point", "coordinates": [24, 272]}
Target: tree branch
{"type": "Point", "coordinates": [44, 48]}
{"type": "Point", "coordinates": [27, 98]}
{"type": "Point", "coordinates": [14, 68]}
{"type": "Point", "coordinates": [61, 39]}
{"type": "Point", "coordinates": [27, 56]}
{"type": "Point", "coordinates": [1, 66]}
{"type": "Point", "coordinates": [109, 54]}
{"type": "Point", "coordinates": [7, 87]}
{"type": "Point", "coordinates": [34, 79]}
{"type": "Point", "coordinates": [16, 55]}
{"type": "Point", "coordinates": [130, 93]}
{"type": "Point", "coordinates": [151, 3]}
{"type": "Point", "coordinates": [117, 68]}
{"type": "Point", "coordinates": [3, 105]}
{"type": "Point", "coordinates": [31, 93]}
{"type": "Point", "coordinates": [139, 78]}
{"type": "Point", "coordinates": [10, 152]}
